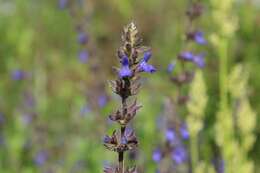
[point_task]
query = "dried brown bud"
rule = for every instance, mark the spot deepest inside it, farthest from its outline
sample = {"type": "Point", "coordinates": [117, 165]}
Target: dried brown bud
{"type": "Point", "coordinates": [195, 11]}
{"type": "Point", "coordinates": [183, 78]}
{"type": "Point", "coordinates": [123, 118]}
{"type": "Point", "coordinates": [127, 142]}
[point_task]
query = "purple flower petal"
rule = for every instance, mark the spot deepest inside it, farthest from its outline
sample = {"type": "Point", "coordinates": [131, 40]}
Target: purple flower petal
{"type": "Point", "coordinates": [170, 67]}
{"type": "Point", "coordinates": [83, 56]}
{"type": "Point", "coordinates": [186, 55]}
{"type": "Point", "coordinates": [179, 155]}
{"type": "Point", "coordinates": [18, 75]}
{"type": "Point", "coordinates": [63, 4]}
{"type": "Point", "coordinates": [199, 60]}
{"type": "Point", "coordinates": [125, 71]}
{"type": "Point", "coordinates": [107, 139]}
{"type": "Point", "coordinates": [170, 135]}
{"type": "Point", "coordinates": [41, 158]}
{"type": "Point", "coordinates": [143, 66]}
{"type": "Point", "coordinates": [128, 131]}
{"type": "Point", "coordinates": [184, 132]}
{"type": "Point", "coordinates": [102, 101]}
{"type": "Point", "coordinates": [82, 38]}
{"type": "Point", "coordinates": [199, 38]}
{"type": "Point", "coordinates": [123, 140]}
{"type": "Point", "coordinates": [157, 155]}
{"type": "Point", "coordinates": [147, 56]}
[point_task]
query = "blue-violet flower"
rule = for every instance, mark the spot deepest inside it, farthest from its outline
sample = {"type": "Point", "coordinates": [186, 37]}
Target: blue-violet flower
{"type": "Point", "coordinates": [83, 56]}
{"type": "Point", "coordinates": [184, 132]}
{"type": "Point", "coordinates": [170, 135]}
{"type": "Point", "coordinates": [186, 55]}
{"type": "Point", "coordinates": [157, 155]}
{"type": "Point", "coordinates": [18, 75]}
{"type": "Point", "coordinates": [199, 60]}
{"type": "Point", "coordinates": [170, 67]}
{"type": "Point", "coordinates": [199, 38]}
{"type": "Point", "coordinates": [63, 4]}
{"type": "Point", "coordinates": [82, 38]}
{"type": "Point", "coordinates": [179, 155]}
{"type": "Point", "coordinates": [144, 66]}
{"type": "Point", "coordinates": [125, 71]}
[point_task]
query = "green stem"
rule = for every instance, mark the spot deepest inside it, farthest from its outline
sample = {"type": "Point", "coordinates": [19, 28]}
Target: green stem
{"type": "Point", "coordinates": [223, 72]}
{"type": "Point", "coordinates": [194, 152]}
{"type": "Point", "coordinates": [121, 155]}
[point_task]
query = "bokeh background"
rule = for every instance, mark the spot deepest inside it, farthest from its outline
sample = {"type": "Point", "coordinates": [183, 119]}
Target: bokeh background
{"type": "Point", "coordinates": [56, 60]}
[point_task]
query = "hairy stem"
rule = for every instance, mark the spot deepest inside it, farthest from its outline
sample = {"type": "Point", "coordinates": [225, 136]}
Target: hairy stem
{"type": "Point", "coordinates": [121, 154]}
{"type": "Point", "coordinates": [121, 162]}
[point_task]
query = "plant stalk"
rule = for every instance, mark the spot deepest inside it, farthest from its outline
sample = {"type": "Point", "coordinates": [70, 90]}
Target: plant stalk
{"type": "Point", "coordinates": [121, 154]}
{"type": "Point", "coordinates": [194, 152]}
{"type": "Point", "coordinates": [223, 70]}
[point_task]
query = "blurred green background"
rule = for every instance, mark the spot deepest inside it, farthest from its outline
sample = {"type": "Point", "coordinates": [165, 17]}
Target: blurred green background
{"type": "Point", "coordinates": [54, 106]}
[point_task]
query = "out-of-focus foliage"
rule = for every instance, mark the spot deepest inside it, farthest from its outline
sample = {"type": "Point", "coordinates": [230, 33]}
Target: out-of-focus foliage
{"type": "Point", "coordinates": [197, 103]}
{"type": "Point", "coordinates": [240, 122]}
{"type": "Point", "coordinates": [228, 124]}
{"type": "Point", "coordinates": [195, 119]}
{"type": "Point", "coordinates": [52, 111]}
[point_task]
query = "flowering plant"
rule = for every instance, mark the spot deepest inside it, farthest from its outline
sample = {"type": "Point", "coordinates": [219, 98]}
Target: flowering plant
{"type": "Point", "coordinates": [127, 85]}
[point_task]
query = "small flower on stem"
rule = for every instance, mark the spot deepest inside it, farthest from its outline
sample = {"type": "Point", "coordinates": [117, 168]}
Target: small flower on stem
{"type": "Point", "coordinates": [157, 155]}
{"type": "Point", "coordinates": [170, 135]}
{"type": "Point", "coordinates": [83, 56]}
{"type": "Point", "coordinates": [82, 38]}
{"type": "Point", "coordinates": [18, 75]}
{"type": "Point", "coordinates": [199, 60]}
{"type": "Point", "coordinates": [125, 71]}
{"type": "Point", "coordinates": [40, 158]}
{"type": "Point", "coordinates": [63, 4]}
{"type": "Point", "coordinates": [184, 132]}
{"type": "Point", "coordinates": [199, 38]}
{"type": "Point", "coordinates": [171, 67]}
{"type": "Point", "coordinates": [144, 66]}
{"type": "Point", "coordinates": [179, 155]}
{"type": "Point", "coordinates": [186, 55]}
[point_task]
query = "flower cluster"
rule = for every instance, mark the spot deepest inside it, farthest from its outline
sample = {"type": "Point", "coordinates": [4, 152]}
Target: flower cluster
{"type": "Point", "coordinates": [119, 143]}
{"type": "Point", "coordinates": [126, 85]}
{"type": "Point", "coordinates": [192, 35]}
{"type": "Point", "coordinates": [176, 131]}
{"type": "Point", "coordinates": [175, 134]}
{"type": "Point", "coordinates": [83, 54]}
{"type": "Point", "coordinates": [80, 18]}
{"type": "Point", "coordinates": [82, 36]}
